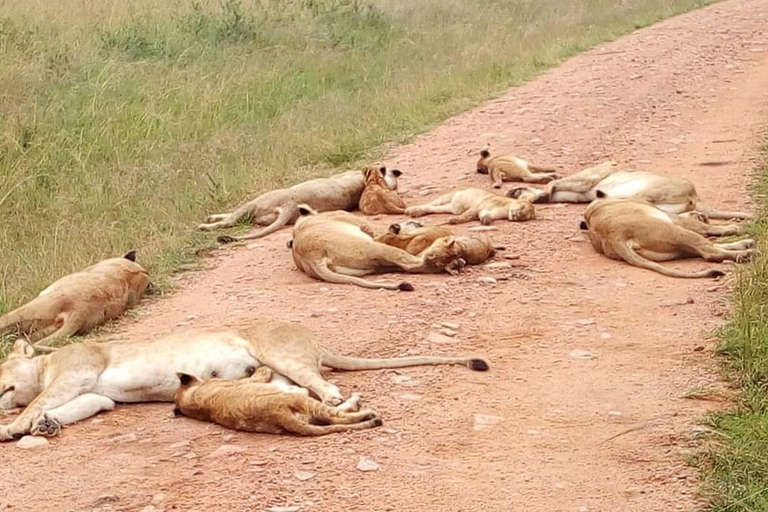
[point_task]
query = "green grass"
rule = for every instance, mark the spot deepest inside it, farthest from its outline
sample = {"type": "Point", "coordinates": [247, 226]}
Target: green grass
{"type": "Point", "coordinates": [736, 465]}
{"type": "Point", "coordinates": [124, 123]}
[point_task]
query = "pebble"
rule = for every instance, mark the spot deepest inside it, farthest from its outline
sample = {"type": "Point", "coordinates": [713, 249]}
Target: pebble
{"type": "Point", "coordinates": [486, 280]}
{"type": "Point", "coordinates": [179, 445]}
{"type": "Point", "coordinates": [485, 421]}
{"type": "Point", "coordinates": [291, 508]}
{"type": "Point", "coordinates": [448, 332]}
{"type": "Point", "coordinates": [304, 475]}
{"type": "Point", "coordinates": [582, 354]}
{"type": "Point", "coordinates": [435, 337]}
{"type": "Point", "coordinates": [483, 228]}
{"type": "Point", "coordinates": [451, 325]}
{"type": "Point", "coordinates": [30, 442]}
{"type": "Point", "coordinates": [226, 450]}
{"type": "Point", "coordinates": [365, 464]}
{"type": "Point", "coordinates": [605, 336]}
{"type": "Point", "coordinates": [614, 413]}
{"type": "Point", "coordinates": [125, 438]}
{"type": "Point", "coordinates": [409, 396]}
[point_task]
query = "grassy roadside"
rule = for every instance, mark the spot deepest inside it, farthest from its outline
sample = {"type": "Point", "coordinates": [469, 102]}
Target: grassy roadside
{"type": "Point", "coordinates": [123, 123]}
{"type": "Point", "coordinates": [736, 467]}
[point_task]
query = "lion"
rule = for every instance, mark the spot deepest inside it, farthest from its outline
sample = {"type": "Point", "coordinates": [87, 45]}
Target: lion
{"type": "Point", "coordinates": [255, 405]}
{"type": "Point", "coordinates": [80, 380]}
{"type": "Point", "coordinates": [476, 204]}
{"type": "Point", "coordinates": [78, 302]}
{"type": "Point", "coordinates": [339, 247]}
{"type": "Point", "coordinates": [607, 181]}
{"type": "Point", "coordinates": [378, 198]}
{"type": "Point", "coordinates": [511, 168]}
{"type": "Point", "coordinates": [278, 208]}
{"type": "Point", "coordinates": [642, 234]}
{"type": "Point", "coordinates": [414, 238]}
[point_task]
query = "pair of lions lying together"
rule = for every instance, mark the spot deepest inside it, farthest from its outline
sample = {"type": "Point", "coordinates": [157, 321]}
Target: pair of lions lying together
{"type": "Point", "coordinates": [339, 247]}
{"type": "Point", "coordinates": [257, 378]}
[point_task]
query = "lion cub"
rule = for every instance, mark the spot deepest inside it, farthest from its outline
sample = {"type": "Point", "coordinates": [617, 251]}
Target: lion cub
{"type": "Point", "coordinates": [78, 302]}
{"type": "Point", "coordinates": [476, 204]}
{"type": "Point", "coordinates": [510, 168]}
{"type": "Point", "coordinates": [642, 235]}
{"type": "Point", "coordinates": [378, 198]}
{"type": "Point", "coordinates": [412, 236]}
{"type": "Point", "coordinates": [255, 405]}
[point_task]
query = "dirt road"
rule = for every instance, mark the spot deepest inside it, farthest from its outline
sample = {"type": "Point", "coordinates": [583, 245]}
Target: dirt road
{"type": "Point", "coordinates": [686, 97]}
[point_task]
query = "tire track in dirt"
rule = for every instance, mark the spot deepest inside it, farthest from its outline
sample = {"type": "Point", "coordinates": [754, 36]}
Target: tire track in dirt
{"type": "Point", "coordinates": [685, 92]}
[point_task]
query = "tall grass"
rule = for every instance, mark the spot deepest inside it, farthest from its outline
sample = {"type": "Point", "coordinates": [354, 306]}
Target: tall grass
{"type": "Point", "coordinates": [124, 122]}
{"type": "Point", "coordinates": [736, 467]}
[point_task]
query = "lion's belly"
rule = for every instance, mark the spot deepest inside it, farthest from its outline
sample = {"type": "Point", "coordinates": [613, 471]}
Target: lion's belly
{"type": "Point", "coordinates": [148, 378]}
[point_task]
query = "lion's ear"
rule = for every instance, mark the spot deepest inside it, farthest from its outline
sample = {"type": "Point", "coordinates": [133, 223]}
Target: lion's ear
{"type": "Point", "coordinates": [383, 171]}
{"type": "Point", "coordinates": [186, 379]}
{"type": "Point", "coordinates": [397, 173]}
{"type": "Point", "coordinates": [22, 349]}
{"type": "Point", "coordinates": [486, 151]}
{"type": "Point", "coordinates": [583, 225]}
{"type": "Point", "coordinates": [130, 255]}
{"type": "Point", "coordinates": [394, 229]}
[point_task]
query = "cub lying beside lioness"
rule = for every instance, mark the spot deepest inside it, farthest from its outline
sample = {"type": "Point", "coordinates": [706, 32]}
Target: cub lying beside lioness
{"type": "Point", "coordinates": [339, 247]}
{"type": "Point", "coordinates": [80, 380]}
{"type": "Point", "coordinates": [278, 208]}
{"type": "Point", "coordinates": [415, 238]}
{"type": "Point", "coordinates": [607, 180]}
{"type": "Point", "coordinates": [256, 405]}
{"type": "Point", "coordinates": [641, 234]}
{"type": "Point", "coordinates": [78, 302]}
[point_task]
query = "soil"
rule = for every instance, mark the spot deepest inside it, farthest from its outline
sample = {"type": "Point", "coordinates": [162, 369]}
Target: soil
{"type": "Point", "coordinates": [610, 430]}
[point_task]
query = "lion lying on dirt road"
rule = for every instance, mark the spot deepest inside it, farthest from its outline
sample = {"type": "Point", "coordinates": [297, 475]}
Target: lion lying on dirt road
{"type": "Point", "coordinates": [642, 234]}
{"type": "Point", "coordinates": [339, 247]}
{"type": "Point", "coordinates": [278, 208]}
{"type": "Point", "coordinates": [476, 204]}
{"type": "Point", "coordinates": [80, 380]}
{"type": "Point", "coordinates": [378, 198]}
{"type": "Point", "coordinates": [255, 405]}
{"type": "Point", "coordinates": [80, 301]}
{"type": "Point", "coordinates": [511, 168]}
{"type": "Point", "coordinates": [414, 238]}
{"type": "Point", "coordinates": [607, 180]}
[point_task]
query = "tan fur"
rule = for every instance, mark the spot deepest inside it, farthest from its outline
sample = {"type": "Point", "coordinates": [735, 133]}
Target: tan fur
{"type": "Point", "coordinates": [78, 302]}
{"type": "Point", "coordinates": [511, 168]}
{"type": "Point", "coordinates": [641, 234]}
{"type": "Point", "coordinates": [467, 250]}
{"type": "Point", "coordinates": [476, 204]}
{"type": "Point", "coordinates": [80, 380]}
{"type": "Point", "coordinates": [339, 248]}
{"type": "Point", "coordinates": [255, 405]}
{"type": "Point", "coordinates": [278, 208]}
{"type": "Point", "coordinates": [377, 197]}
{"type": "Point", "coordinates": [413, 241]}
{"type": "Point", "coordinates": [608, 181]}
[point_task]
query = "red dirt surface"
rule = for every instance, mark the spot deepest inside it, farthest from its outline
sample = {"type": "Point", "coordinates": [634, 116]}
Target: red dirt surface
{"type": "Point", "coordinates": [685, 97]}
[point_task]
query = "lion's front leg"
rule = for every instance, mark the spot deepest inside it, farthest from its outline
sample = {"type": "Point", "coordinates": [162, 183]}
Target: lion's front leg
{"type": "Point", "coordinates": [62, 390]}
{"type": "Point", "coordinates": [49, 423]}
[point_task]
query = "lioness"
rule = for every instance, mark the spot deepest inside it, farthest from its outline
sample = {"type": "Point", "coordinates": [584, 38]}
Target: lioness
{"type": "Point", "coordinates": [642, 234]}
{"type": "Point", "coordinates": [339, 247]}
{"type": "Point", "coordinates": [78, 302]}
{"type": "Point", "coordinates": [378, 198]}
{"type": "Point", "coordinates": [607, 180]}
{"type": "Point", "coordinates": [278, 208]}
{"type": "Point", "coordinates": [256, 405]}
{"type": "Point", "coordinates": [80, 380]}
{"type": "Point", "coordinates": [510, 168]}
{"type": "Point", "coordinates": [476, 204]}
